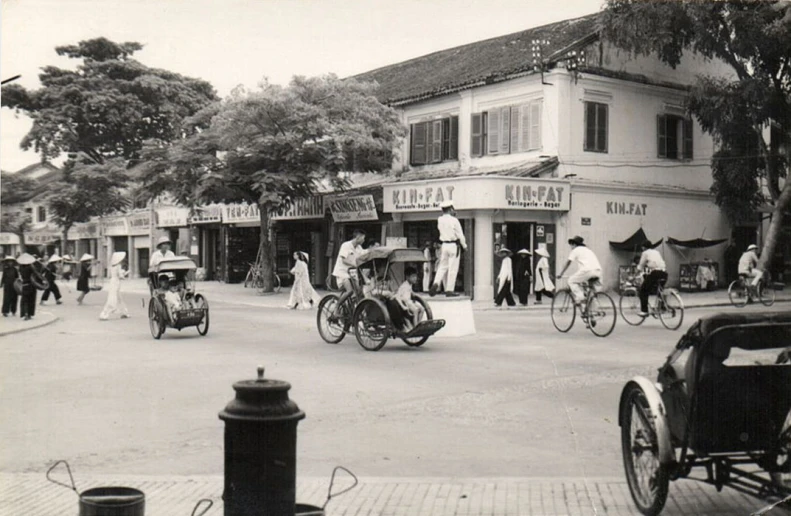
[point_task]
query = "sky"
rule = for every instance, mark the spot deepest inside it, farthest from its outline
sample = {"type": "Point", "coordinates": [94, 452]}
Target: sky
{"type": "Point", "coordinates": [232, 42]}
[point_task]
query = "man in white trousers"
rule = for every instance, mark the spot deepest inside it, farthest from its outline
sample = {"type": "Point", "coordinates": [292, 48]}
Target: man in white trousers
{"type": "Point", "coordinates": [453, 242]}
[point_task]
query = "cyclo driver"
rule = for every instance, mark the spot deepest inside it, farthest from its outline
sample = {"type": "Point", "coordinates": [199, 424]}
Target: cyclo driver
{"type": "Point", "coordinates": [347, 258]}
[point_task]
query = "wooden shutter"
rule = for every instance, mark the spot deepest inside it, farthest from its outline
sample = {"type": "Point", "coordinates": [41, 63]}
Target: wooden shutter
{"type": "Point", "coordinates": [590, 133]}
{"type": "Point", "coordinates": [535, 125]}
{"type": "Point", "coordinates": [601, 127]}
{"type": "Point", "coordinates": [493, 126]}
{"type": "Point", "coordinates": [516, 121]}
{"type": "Point", "coordinates": [476, 128]}
{"type": "Point", "coordinates": [436, 141]}
{"type": "Point", "coordinates": [505, 127]}
{"type": "Point", "coordinates": [419, 138]}
{"type": "Point", "coordinates": [453, 151]}
{"type": "Point", "coordinates": [687, 139]}
{"type": "Point", "coordinates": [661, 134]}
{"type": "Point", "coordinates": [524, 127]}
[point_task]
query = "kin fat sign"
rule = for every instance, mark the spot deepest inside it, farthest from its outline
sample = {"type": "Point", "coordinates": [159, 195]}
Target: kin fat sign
{"type": "Point", "coordinates": [477, 193]}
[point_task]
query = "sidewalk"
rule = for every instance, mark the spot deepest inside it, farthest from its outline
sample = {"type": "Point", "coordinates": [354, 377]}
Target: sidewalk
{"type": "Point", "coordinates": [11, 325]}
{"type": "Point", "coordinates": [31, 494]}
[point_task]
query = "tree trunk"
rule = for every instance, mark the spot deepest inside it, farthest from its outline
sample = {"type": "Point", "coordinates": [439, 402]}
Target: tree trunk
{"type": "Point", "coordinates": [770, 241]}
{"type": "Point", "coordinates": [22, 247]}
{"type": "Point", "coordinates": [265, 250]}
{"type": "Point", "coordinates": [64, 243]}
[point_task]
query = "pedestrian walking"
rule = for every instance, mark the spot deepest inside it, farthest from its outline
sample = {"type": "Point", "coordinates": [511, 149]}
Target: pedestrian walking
{"type": "Point", "coordinates": [27, 303]}
{"type": "Point", "coordinates": [302, 295]}
{"type": "Point", "coordinates": [522, 275]}
{"type": "Point", "coordinates": [453, 242]}
{"type": "Point", "coordinates": [505, 279]}
{"type": "Point", "coordinates": [115, 303]}
{"type": "Point", "coordinates": [427, 254]}
{"type": "Point", "coordinates": [543, 285]}
{"type": "Point", "coordinates": [10, 295]}
{"type": "Point", "coordinates": [85, 275]}
{"type": "Point", "coordinates": [50, 273]}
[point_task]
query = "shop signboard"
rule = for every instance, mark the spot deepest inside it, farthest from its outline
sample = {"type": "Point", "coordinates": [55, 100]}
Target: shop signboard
{"type": "Point", "coordinates": [303, 208]}
{"type": "Point", "coordinates": [41, 237]}
{"type": "Point", "coordinates": [139, 223]}
{"type": "Point", "coordinates": [9, 239]}
{"type": "Point", "coordinates": [172, 217]}
{"type": "Point", "coordinates": [211, 214]}
{"type": "Point", "coordinates": [353, 209]}
{"type": "Point", "coordinates": [85, 230]}
{"type": "Point", "coordinates": [115, 226]}
{"type": "Point", "coordinates": [478, 193]}
{"type": "Point", "coordinates": [240, 213]}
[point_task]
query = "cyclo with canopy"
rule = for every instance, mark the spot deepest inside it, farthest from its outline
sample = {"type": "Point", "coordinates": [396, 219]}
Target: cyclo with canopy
{"type": "Point", "coordinates": [371, 312]}
{"type": "Point", "coordinates": [726, 412]}
{"type": "Point", "coordinates": [174, 302]}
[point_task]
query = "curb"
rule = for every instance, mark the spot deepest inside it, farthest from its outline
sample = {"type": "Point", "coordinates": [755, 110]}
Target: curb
{"type": "Point", "coordinates": [28, 328]}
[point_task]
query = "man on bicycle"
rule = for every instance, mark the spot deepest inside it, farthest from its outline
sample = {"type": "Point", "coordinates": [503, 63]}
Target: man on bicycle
{"type": "Point", "coordinates": [747, 266]}
{"type": "Point", "coordinates": [347, 258]}
{"type": "Point", "coordinates": [653, 265]}
{"type": "Point", "coordinates": [588, 267]}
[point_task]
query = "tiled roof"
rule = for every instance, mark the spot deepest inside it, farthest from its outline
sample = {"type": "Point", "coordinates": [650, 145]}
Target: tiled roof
{"type": "Point", "coordinates": [527, 168]}
{"type": "Point", "coordinates": [485, 61]}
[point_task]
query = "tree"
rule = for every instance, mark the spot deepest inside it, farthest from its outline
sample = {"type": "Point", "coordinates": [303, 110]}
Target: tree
{"type": "Point", "coordinates": [754, 39]}
{"type": "Point", "coordinates": [101, 114]}
{"type": "Point", "coordinates": [16, 190]}
{"type": "Point", "coordinates": [274, 145]}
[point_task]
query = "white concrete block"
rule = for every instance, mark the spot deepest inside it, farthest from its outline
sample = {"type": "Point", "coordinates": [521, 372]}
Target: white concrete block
{"type": "Point", "coordinates": [457, 313]}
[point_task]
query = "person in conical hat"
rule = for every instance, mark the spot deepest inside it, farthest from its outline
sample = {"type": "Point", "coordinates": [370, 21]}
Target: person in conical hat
{"type": "Point", "coordinates": [522, 275]}
{"type": "Point", "coordinates": [543, 285]}
{"type": "Point", "coordinates": [10, 295]}
{"type": "Point", "coordinates": [50, 274]}
{"type": "Point", "coordinates": [85, 275]}
{"type": "Point", "coordinates": [505, 279]}
{"type": "Point", "coordinates": [115, 303]}
{"type": "Point", "coordinates": [27, 302]}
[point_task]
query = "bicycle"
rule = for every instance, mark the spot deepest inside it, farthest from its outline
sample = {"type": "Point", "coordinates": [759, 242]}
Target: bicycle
{"type": "Point", "coordinates": [740, 293]}
{"type": "Point", "coordinates": [598, 310]}
{"type": "Point", "coordinates": [334, 329]}
{"type": "Point", "coordinates": [667, 307]}
{"type": "Point", "coordinates": [255, 279]}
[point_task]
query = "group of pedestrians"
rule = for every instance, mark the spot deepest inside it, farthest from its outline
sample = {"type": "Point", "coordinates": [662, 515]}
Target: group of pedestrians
{"type": "Point", "coordinates": [518, 278]}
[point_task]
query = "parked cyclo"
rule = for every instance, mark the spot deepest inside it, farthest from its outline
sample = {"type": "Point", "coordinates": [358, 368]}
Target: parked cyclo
{"type": "Point", "coordinates": [726, 412]}
{"type": "Point", "coordinates": [174, 303]}
{"type": "Point", "coordinates": [371, 311]}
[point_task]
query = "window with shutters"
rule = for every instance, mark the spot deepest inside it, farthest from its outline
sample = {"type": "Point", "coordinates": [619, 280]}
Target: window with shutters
{"type": "Point", "coordinates": [674, 137]}
{"type": "Point", "coordinates": [434, 141]}
{"type": "Point", "coordinates": [41, 216]}
{"type": "Point", "coordinates": [596, 120]}
{"type": "Point", "coordinates": [507, 129]}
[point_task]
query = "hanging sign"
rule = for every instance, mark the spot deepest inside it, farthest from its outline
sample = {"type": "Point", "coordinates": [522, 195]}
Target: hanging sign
{"type": "Point", "coordinates": [172, 217]}
{"type": "Point", "coordinates": [206, 215]}
{"type": "Point", "coordinates": [115, 226]}
{"type": "Point", "coordinates": [139, 223]}
{"type": "Point", "coordinates": [353, 209]}
{"type": "Point", "coordinates": [41, 237]}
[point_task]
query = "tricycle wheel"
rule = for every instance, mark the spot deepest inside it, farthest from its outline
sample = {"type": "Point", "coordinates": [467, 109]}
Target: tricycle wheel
{"type": "Point", "coordinates": [155, 322]}
{"type": "Point", "coordinates": [201, 303]}
{"type": "Point", "coordinates": [647, 478]}
{"type": "Point", "coordinates": [372, 324]}
{"type": "Point", "coordinates": [427, 316]}
{"type": "Point", "coordinates": [331, 332]}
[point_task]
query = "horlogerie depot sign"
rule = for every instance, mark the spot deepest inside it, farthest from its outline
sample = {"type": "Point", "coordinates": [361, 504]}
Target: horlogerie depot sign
{"type": "Point", "coordinates": [478, 193]}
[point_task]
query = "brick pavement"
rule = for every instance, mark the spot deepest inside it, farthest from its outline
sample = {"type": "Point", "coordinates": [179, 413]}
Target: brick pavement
{"type": "Point", "coordinates": [31, 494]}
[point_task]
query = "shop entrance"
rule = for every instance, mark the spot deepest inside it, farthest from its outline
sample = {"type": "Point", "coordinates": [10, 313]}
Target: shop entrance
{"type": "Point", "coordinates": [522, 235]}
{"type": "Point", "coordinates": [142, 262]}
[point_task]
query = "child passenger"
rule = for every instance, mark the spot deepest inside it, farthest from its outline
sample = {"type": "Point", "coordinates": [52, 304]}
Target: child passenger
{"type": "Point", "coordinates": [172, 295]}
{"type": "Point", "coordinates": [404, 297]}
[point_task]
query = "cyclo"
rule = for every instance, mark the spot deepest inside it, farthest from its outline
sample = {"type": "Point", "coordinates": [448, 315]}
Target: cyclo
{"type": "Point", "coordinates": [170, 284]}
{"type": "Point", "coordinates": [727, 411]}
{"type": "Point", "coordinates": [370, 310]}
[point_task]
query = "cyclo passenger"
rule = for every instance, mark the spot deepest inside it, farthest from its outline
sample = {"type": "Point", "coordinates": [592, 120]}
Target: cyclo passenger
{"type": "Point", "coordinates": [347, 258]}
{"type": "Point", "coordinates": [655, 274]}
{"type": "Point", "coordinates": [404, 312]}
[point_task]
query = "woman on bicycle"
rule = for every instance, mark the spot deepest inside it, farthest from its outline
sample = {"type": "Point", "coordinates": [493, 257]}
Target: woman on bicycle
{"type": "Point", "coordinates": [655, 274]}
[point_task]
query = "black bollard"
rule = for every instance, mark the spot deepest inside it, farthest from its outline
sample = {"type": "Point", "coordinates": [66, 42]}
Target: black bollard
{"type": "Point", "coordinates": [260, 449]}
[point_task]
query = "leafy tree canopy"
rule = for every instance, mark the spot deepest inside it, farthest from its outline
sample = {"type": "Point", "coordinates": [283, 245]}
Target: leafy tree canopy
{"type": "Point", "coordinates": [754, 38]}
{"type": "Point", "coordinates": [16, 189]}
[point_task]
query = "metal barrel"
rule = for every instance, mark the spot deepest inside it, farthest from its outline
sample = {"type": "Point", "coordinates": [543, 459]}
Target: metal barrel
{"type": "Point", "coordinates": [112, 501]}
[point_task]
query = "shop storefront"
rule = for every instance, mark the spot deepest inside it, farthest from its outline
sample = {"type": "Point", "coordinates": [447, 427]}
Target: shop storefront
{"type": "Point", "coordinates": [301, 226]}
{"type": "Point", "coordinates": [86, 237]}
{"type": "Point", "coordinates": [494, 211]}
{"type": "Point", "coordinates": [42, 241]}
{"type": "Point", "coordinates": [139, 225]}
{"type": "Point", "coordinates": [9, 244]}
{"type": "Point", "coordinates": [172, 222]}
{"type": "Point", "coordinates": [116, 233]}
{"type": "Point", "coordinates": [206, 239]}
{"type": "Point", "coordinates": [241, 223]}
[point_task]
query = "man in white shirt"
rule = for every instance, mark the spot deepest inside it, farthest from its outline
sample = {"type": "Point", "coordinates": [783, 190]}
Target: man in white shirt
{"type": "Point", "coordinates": [588, 267]}
{"type": "Point", "coordinates": [453, 241]}
{"type": "Point", "coordinates": [347, 258]}
{"type": "Point", "coordinates": [748, 263]}
{"type": "Point", "coordinates": [163, 251]}
{"type": "Point", "coordinates": [655, 274]}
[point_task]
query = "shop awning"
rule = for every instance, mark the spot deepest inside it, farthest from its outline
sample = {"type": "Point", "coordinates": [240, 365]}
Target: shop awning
{"type": "Point", "coordinates": [697, 243]}
{"type": "Point", "coordinates": [634, 242]}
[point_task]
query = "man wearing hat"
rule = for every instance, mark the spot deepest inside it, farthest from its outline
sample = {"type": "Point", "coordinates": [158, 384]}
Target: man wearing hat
{"type": "Point", "coordinates": [27, 303]}
{"type": "Point", "coordinates": [505, 279]}
{"type": "Point", "coordinates": [163, 251]}
{"type": "Point", "coordinates": [10, 296]}
{"type": "Point", "coordinates": [655, 274]}
{"type": "Point", "coordinates": [748, 263]}
{"type": "Point", "coordinates": [49, 275]}
{"type": "Point", "coordinates": [588, 267]}
{"type": "Point", "coordinates": [452, 238]}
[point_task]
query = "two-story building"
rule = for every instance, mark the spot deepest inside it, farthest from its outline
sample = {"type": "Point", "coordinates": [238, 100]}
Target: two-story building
{"type": "Point", "coordinates": [548, 133]}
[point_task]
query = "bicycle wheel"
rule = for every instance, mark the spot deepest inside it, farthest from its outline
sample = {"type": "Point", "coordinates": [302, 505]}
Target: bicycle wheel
{"type": "Point", "coordinates": [427, 316]}
{"type": "Point", "coordinates": [277, 284]}
{"type": "Point", "coordinates": [249, 278]}
{"type": "Point", "coordinates": [671, 309]}
{"type": "Point", "coordinates": [563, 311]}
{"type": "Point", "coordinates": [200, 302]}
{"type": "Point", "coordinates": [371, 324]}
{"type": "Point", "coordinates": [737, 293]}
{"type": "Point", "coordinates": [629, 305]}
{"type": "Point", "coordinates": [331, 332]}
{"type": "Point", "coordinates": [766, 295]}
{"type": "Point", "coordinates": [648, 479]}
{"type": "Point", "coordinates": [155, 322]}
{"type": "Point", "coordinates": [602, 314]}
